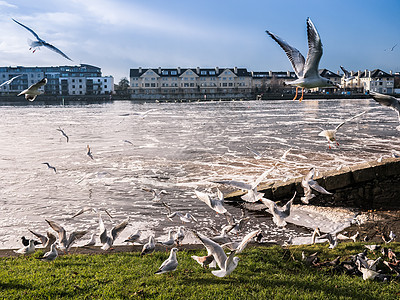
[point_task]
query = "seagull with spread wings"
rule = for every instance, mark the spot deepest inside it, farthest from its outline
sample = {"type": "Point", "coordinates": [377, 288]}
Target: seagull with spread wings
{"type": "Point", "coordinates": [330, 134]}
{"type": "Point", "coordinates": [388, 101]}
{"type": "Point", "coordinates": [308, 183]}
{"type": "Point", "coordinates": [10, 80]}
{"type": "Point", "coordinates": [305, 69]}
{"type": "Point", "coordinates": [39, 42]}
{"type": "Point", "coordinates": [33, 91]}
{"type": "Point", "coordinates": [279, 214]}
{"type": "Point", "coordinates": [64, 242]}
{"type": "Point", "coordinates": [108, 240]}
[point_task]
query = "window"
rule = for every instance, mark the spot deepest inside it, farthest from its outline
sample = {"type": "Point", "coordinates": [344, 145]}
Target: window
{"type": "Point", "coordinates": [211, 73]}
{"type": "Point", "coordinates": [73, 80]}
{"type": "Point", "coordinates": [105, 86]}
{"type": "Point", "coordinates": [174, 73]}
{"type": "Point", "coordinates": [73, 86]}
{"type": "Point", "coordinates": [203, 72]}
{"type": "Point", "coordinates": [80, 86]}
{"type": "Point", "coordinates": [80, 80]}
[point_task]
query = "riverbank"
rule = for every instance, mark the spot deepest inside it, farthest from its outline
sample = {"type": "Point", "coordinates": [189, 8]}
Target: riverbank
{"type": "Point", "coordinates": [262, 273]}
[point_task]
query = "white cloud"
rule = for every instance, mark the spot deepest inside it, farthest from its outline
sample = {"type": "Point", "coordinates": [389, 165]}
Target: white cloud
{"type": "Point", "coordinates": [5, 3]}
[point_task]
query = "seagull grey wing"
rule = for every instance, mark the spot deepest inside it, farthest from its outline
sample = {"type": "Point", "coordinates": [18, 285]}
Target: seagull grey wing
{"type": "Point", "coordinates": [386, 100]}
{"type": "Point", "coordinates": [43, 239]}
{"type": "Point", "coordinates": [315, 186]}
{"type": "Point", "coordinates": [213, 249]}
{"type": "Point", "coordinates": [103, 231]}
{"type": "Point", "coordinates": [237, 184]}
{"type": "Point", "coordinates": [27, 28]}
{"type": "Point", "coordinates": [346, 73]}
{"type": "Point", "coordinates": [118, 229]}
{"type": "Point", "coordinates": [294, 55]}
{"type": "Point", "coordinates": [38, 84]}
{"type": "Point", "coordinates": [314, 51]}
{"type": "Point", "coordinates": [59, 229]}
{"type": "Point", "coordinates": [76, 235]}
{"type": "Point", "coordinates": [246, 240]}
{"type": "Point", "coordinates": [55, 49]}
{"type": "Point", "coordinates": [51, 238]}
{"type": "Point", "coordinates": [310, 175]}
{"type": "Point", "coordinates": [286, 208]}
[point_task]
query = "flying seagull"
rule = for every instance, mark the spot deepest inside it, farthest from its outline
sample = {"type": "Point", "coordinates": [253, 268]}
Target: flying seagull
{"type": "Point", "coordinates": [47, 240]}
{"type": "Point", "coordinates": [39, 42]}
{"type": "Point", "coordinates": [10, 80]}
{"type": "Point", "coordinates": [64, 242]}
{"type": "Point", "coordinates": [279, 213]}
{"type": "Point", "coordinates": [215, 204]}
{"type": "Point", "coordinates": [309, 183]}
{"type": "Point", "coordinates": [347, 75]}
{"type": "Point", "coordinates": [63, 133]}
{"type": "Point", "coordinates": [226, 264]}
{"type": "Point", "coordinates": [50, 166]}
{"type": "Point", "coordinates": [33, 91]}
{"type": "Point", "coordinates": [330, 134]}
{"type": "Point", "coordinates": [306, 70]}
{"type": "Point", "coordinates": [107, 240]}
{"type": "Point", "coordinates": [387, 100]}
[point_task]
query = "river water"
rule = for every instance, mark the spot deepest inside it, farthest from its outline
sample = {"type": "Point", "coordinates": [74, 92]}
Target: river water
{"type": "Point", "coordinates": [178, 147]}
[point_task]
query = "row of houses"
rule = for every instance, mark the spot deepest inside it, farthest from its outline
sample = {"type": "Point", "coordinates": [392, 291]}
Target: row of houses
{"type": "Point", "coordinates": [231, 82]}
{"type": "Point", "coordinates": [62, 80]}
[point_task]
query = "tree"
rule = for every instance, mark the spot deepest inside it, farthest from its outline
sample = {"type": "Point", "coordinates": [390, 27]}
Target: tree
{"type": "Point", "coordinates": [123, 84]}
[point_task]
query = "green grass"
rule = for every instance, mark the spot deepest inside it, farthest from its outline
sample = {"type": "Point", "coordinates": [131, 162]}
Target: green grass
{"type": "Point", "coordinates": [262, 273]}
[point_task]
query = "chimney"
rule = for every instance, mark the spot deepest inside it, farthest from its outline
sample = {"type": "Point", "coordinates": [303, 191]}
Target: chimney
{"type": "Point", "coordinates": [140, 70]}
{"type": "Point", "coordinates": [288, 73]}
{"type": "Point", "coordinates": [235, 70]}
{"type": "Point", "coordinates": [338, 72]}
{"type": "Point", "coordinates": [198, 70]}
{"type": "Point", "coordinates": [390, 72]}
{"type": "Point", "coordinates": [179, 70]}
{"type": "Point", "coordinates": [351, 73]}
{"type": "Point", "coordinates": [369, 74]}
{"type": "Point", "coordinates": [159, 70]}
{"type": "Point", "coordinates": [252, 73]}
{"type": "Point", "coordinates": [359, 73]}
{"type": "Point", "coordinates": [217, 70]}
{"type": "Point", "coordinates": [366, 72]}
{"type": "Point", "coordinates": [270, 73]}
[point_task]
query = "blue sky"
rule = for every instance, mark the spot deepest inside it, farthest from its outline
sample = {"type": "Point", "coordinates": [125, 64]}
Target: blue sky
{"type": "Point", "coordinates": [120, 34]}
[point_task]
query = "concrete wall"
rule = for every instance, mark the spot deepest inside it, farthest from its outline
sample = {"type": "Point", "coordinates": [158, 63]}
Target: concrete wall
{"type": "Point", "coordinates": [372, 185]}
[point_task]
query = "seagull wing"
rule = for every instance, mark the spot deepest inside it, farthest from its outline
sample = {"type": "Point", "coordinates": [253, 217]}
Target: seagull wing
{"type": "Point", "coordinates": [286, 208]}
{"type": "Point", "coordinates": [62, 235]}
{"type": "Point", "coordinates": [38, 84]}
{"type": "Point", "coordinates": [103, 231]}
{"type": "Point", "coordinates": [213, 249]}
{"type": "Point", "coordinates": [314, 51]}
{"type": "Point", "coordinates": [167, 207]}
{"type": "Point", "coordinates": [55, 49]}
{"type": "Point", "coordinates": [76, 235]}
{"type": "Point", "coordinates": [246, 240]}
{"type": "Point", "coordinates": [294, 55]}
{"type": "Point", "coordinates": [387, 100]}
{"type": "Point", "coordinates": [237, 184]}
{"type": "Point", "coordinates": [43, 239]}
{"type": "Point", "coordinates": [30, 30]}
{"type": "Point", "coordinates": [346, 73]}
{"type": "Point", "coordinates": [356, 116]}
{"type": "Point", "coordinates": [315, 186]}
{"type": "Point", "coordinates": [118, 229]}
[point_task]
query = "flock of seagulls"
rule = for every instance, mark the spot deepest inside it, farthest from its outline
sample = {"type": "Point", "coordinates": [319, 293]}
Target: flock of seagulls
{"type": "Point", "coordinates": [308, 77]}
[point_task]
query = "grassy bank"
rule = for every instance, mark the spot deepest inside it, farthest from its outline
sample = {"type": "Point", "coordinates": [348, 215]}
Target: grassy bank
{"type": "Point", "coordinates": [263, 272]}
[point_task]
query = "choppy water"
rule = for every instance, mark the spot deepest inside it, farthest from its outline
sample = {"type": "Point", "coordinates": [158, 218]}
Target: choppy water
{"type": "Point", "coordinates": [177, 147]}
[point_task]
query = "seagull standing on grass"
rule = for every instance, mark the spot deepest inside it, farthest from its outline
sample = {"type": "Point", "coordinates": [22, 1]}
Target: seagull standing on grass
{"type": "Point", "coordinates": [51, 255]}
{"type": "Point", "coordinates": [27, 249]}
{"type": "Point", "coordinates": [39, 42]}
{"type": "Point", "coordinates": [306, 70]}
{"type": "Point", "coordinates": [33, 91]}
{"type": "Point", "coordinates": [331, 133]}
{"type": "Point", "coordinates": [170, 264]}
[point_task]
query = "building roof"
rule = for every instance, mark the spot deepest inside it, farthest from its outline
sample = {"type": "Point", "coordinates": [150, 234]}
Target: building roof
{"type": "Point", "coordinates": [328, 74]}
{"type": "Point", "coordinates": [171, 72]}
{"type": "Point", "coordinates": [377, 73]}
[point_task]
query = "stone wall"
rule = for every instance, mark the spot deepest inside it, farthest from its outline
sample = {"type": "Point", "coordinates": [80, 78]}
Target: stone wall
{"type": "Point", "coordinates": [372, 185]}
